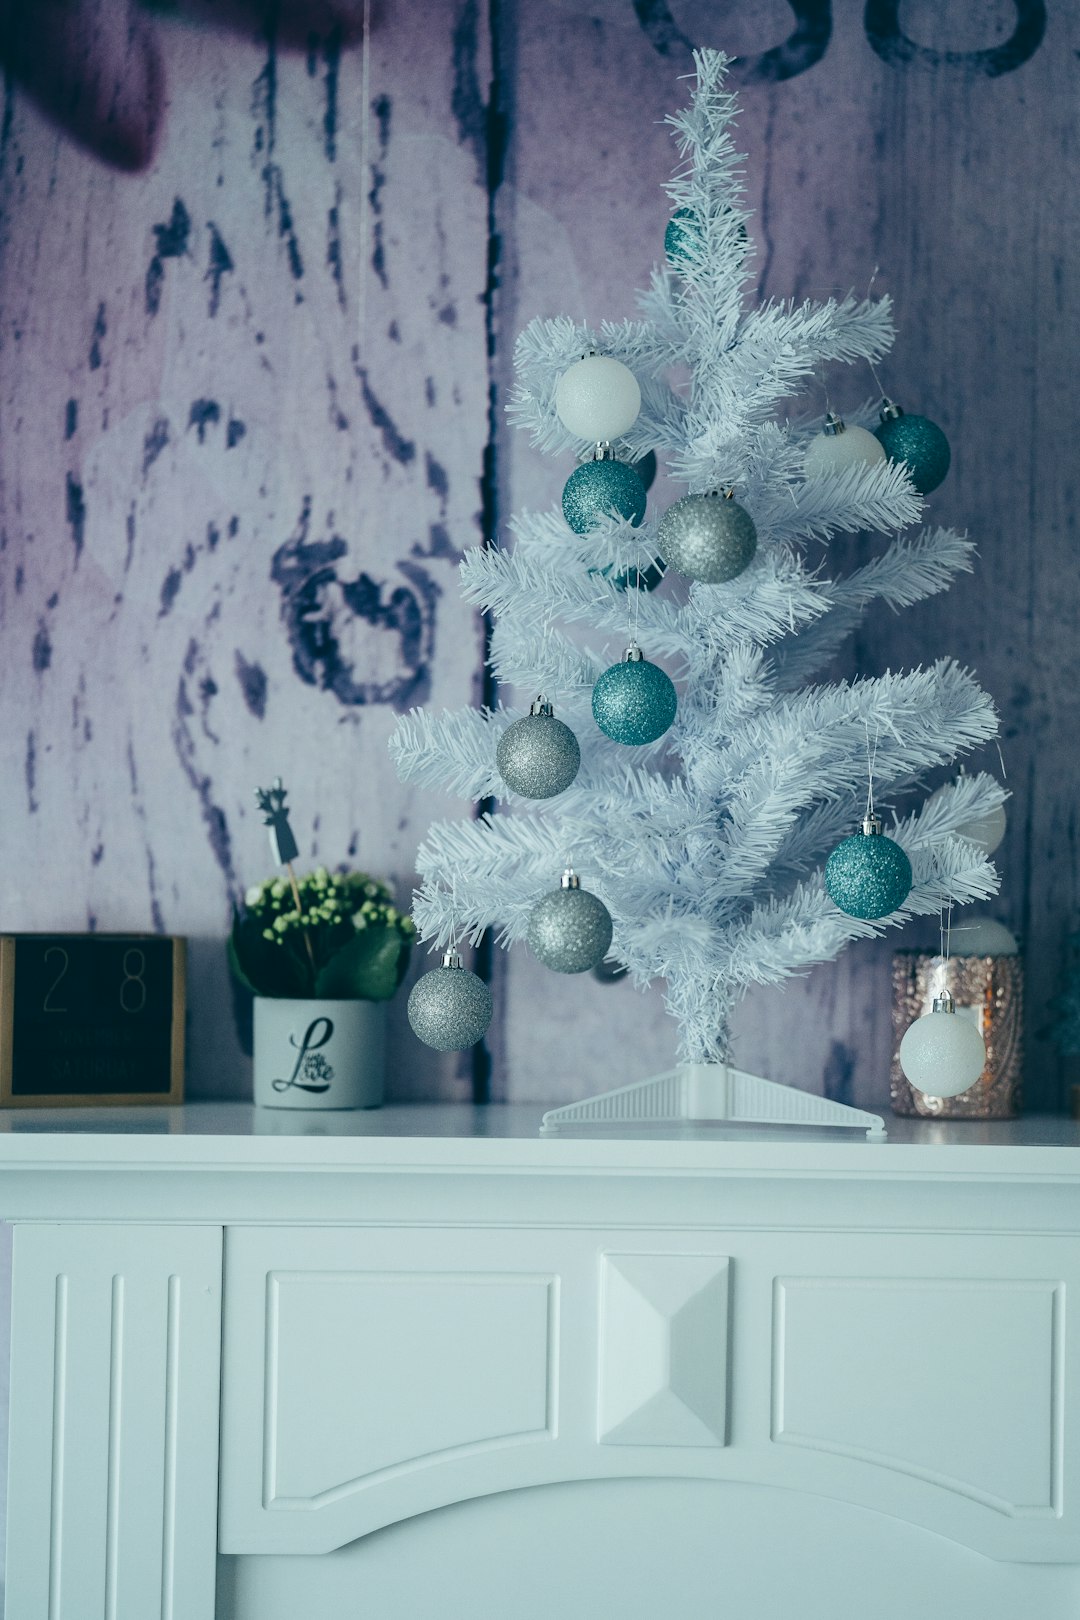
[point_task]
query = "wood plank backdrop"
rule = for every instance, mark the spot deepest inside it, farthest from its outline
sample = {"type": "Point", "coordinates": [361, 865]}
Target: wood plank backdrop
{"type": "Point", "coordinates": [251, 412]}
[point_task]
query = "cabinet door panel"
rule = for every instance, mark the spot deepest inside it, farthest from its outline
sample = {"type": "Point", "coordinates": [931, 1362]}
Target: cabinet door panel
{"type": "Point", "coordinates": [374, 1374]}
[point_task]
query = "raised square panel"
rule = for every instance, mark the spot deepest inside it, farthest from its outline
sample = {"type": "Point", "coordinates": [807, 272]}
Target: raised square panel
{"type": "Point", "coordinates": [663, 1350]}
{"type": "Point", "coordinates": [955, 1381]}
{"type": "Point", "coordinates": [372, 1375]}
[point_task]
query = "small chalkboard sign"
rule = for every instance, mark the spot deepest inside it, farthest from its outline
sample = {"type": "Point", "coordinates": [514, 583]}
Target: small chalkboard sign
{"type": "Point", "coordinates": [91, 1018]}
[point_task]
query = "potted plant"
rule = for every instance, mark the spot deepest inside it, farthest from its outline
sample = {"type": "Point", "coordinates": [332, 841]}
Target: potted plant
{"type": "Point", "coordinates": [322, 954]}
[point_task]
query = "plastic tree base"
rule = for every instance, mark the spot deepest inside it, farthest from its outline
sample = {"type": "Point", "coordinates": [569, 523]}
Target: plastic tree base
{"type": "Point", "coordinates": [710, 1094]}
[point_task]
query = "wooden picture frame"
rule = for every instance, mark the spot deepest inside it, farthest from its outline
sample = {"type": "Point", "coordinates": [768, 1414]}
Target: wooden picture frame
{"type": "Point", "coordinates": [18, 1020]}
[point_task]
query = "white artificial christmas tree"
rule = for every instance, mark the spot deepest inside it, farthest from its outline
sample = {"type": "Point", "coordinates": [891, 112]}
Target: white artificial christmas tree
{"type": "Point", "coordinates": [708, 845]}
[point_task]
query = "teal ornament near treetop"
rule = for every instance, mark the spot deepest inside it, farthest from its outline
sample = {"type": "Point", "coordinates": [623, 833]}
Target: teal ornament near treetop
{"type": "Point", "coordinates": [917, 442]}
{"type": "Point", "coordinates": [682, 233]}
{"type": "Point", "coordinates": [599, 488]}
{"type": "Point", "coordinates": [868, 875]}
{"type": "Point", "coordinates": [634, 702]}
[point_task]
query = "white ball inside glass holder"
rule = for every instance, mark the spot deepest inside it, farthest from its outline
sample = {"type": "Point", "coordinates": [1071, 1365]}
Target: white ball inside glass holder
{"type": "Point", "coordinates": [942, 1053]}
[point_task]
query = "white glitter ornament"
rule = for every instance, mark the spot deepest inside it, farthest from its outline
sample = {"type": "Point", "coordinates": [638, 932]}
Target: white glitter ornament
{"type": "Point", "coordinates": [941, 1053]}
{"type": "Point", "coordinates": [840, 447]}
{"type": "Point", "coordinates": [599, 398]}
{"type": "Point", "coordinates": [450, 1008]}
{"type": "Point", "coordinates": [538, 756]}
{"type": "Point", "coordinates": [569, 930]}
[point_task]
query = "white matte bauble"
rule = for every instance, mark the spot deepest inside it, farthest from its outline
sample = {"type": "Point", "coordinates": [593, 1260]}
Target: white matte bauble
{"type": "Point", "coordinates": [599, 399]}
{"type": "Point", "coordinates": [841, 447]}
{"type": "Point", "coordinates": [986, 831]}
{"type": "Point", "coordinates": [983, 936]}
{"type": "Point", "coordinates": [942, 1053]}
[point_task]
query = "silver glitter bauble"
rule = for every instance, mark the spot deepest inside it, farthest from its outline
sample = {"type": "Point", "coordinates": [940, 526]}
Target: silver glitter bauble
{"type": "Point", "coordinates": [538, 756]}
{"type": "Point", "coordinates": [570, 929]}
{"type": "Point", "coordinates": [449, 1007]}
{"type": "Point", "coordinates": [707, 538]}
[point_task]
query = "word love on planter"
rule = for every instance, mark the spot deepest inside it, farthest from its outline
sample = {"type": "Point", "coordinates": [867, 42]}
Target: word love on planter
{"type": "Point", "coordinates": [319, 1054]}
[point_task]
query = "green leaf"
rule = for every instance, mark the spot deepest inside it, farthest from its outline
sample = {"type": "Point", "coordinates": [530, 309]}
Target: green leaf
{"type": "Point", "coordinates": [369, 968]}
{"type": "Point", "coordinates": [261, 966]}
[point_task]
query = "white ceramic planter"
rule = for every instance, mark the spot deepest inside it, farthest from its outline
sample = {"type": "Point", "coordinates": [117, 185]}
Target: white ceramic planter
{"type": "Point", "coordinates": [319, 1054]}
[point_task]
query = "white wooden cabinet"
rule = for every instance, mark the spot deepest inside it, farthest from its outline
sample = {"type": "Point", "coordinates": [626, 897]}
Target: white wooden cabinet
{"type": "Point", "coordinates": [465, 1371]}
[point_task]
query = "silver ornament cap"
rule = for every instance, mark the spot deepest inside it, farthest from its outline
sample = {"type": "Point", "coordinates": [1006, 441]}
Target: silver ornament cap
{"type": "Point", "coordinates": [569, 930]}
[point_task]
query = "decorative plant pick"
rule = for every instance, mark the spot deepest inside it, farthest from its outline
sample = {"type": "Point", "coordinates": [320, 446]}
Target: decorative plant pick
{"type": "Point", "coordinates": [271, 802]}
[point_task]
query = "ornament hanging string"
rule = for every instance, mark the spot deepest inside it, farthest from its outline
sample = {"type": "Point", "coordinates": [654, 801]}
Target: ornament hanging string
{"type": "Point", "coordinates": [871, 761]}
{"type": "Point", "coordinates": [870, 363]}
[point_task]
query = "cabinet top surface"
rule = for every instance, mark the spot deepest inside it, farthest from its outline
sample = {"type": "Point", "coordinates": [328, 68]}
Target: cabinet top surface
{"type": "Point", "coordinates": [505, 1137]}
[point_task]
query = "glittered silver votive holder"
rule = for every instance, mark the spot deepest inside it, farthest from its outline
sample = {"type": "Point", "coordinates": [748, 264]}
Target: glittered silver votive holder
{"type": "Point", "coordinates": [990, 991]}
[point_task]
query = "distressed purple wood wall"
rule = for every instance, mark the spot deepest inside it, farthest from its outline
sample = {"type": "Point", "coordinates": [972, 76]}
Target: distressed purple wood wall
{"type": "Point", "coordinates": [251, 412]}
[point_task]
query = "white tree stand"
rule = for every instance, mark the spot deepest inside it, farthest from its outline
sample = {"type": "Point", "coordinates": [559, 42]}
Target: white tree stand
{"type": "Point", "coordinates": [710, 1094]}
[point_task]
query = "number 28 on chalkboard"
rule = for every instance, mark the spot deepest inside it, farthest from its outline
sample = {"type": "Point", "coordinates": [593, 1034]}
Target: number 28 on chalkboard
{"type": "Point", "coordinates": [91, 1018]}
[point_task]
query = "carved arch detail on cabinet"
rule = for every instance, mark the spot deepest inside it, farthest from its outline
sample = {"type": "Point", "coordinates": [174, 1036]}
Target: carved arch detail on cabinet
{"type": "Point", "coordinates": [440, 1366]}
{"type": "Point", "coordinates": [887, 1371]}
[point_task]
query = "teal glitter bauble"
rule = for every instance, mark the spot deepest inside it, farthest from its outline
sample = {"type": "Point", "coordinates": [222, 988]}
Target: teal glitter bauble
{"type": "Point", "coordinates": [707, 538]}
{"type": "Point", "coordinates": [634, 702]}
{"type": "Point", "coordinates": [682, 234]}
{"type": "Point", "coordinates": [598, 488]}
{"type": "Point", "coordinates": [646, 469]}
{"type": "Point", "coordinates": [538, 756]}
{"type": "Point", "coordinates": [569, 930]}
{"type": "Point", "coordinates": [918, 443]}
{"type": "Point", "coordinates": [868, 876]}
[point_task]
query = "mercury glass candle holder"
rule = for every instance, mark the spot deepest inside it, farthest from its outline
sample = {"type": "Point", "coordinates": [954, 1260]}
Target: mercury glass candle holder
{"type": "Point", "coordinates": [990, 991]}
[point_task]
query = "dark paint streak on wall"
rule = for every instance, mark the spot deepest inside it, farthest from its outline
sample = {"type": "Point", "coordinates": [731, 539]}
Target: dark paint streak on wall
{"type": "Point", "coordinates": [839, 1076]}
{"type": "Point", "coordinates": [75, 509]}
{"type": "Point", "coordinates": [42, 650]}
{"type": "Point", "coordinates": [154, 443]}
{"type": "Point", "coordinates": [100, 330]}
{"type": "Point", "coordinates": [382, 107]}
{"type": "Point", "coordinates": [30, 771]}
{"type": "Point", "coordinates": [172, 243]}
{"type": "Point", "coordinates": [253, 685]}
{"type": "Point", "coordinates": [234, 432]}
{"type": "Point", "coordinates": [220, 266]}
{"type": "Point", "coordinates": [204, 413]}
{"type": "Point", "coordinates": [316, 605]}
{"type": "Point", "coordinates": [217, 827]}
{"type": "Point", "coordinates": [332, 60]}
{"type": "Point", "coordinates": [497, 123]}
{"type": "Point", "coordinates": [333, 247]}
{"type": "Point", "coordinates": [396, 445]}
{"type": "Point", "coordinates": [71, 419]}
{"type": "Point", "coordinates": [466, 98]}
{"type": "Point", "coordinates": [277, 200]}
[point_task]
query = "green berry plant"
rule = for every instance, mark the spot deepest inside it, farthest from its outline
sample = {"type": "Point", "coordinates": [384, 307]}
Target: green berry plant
{"type": "Point", "coordinates": [333, 935]}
